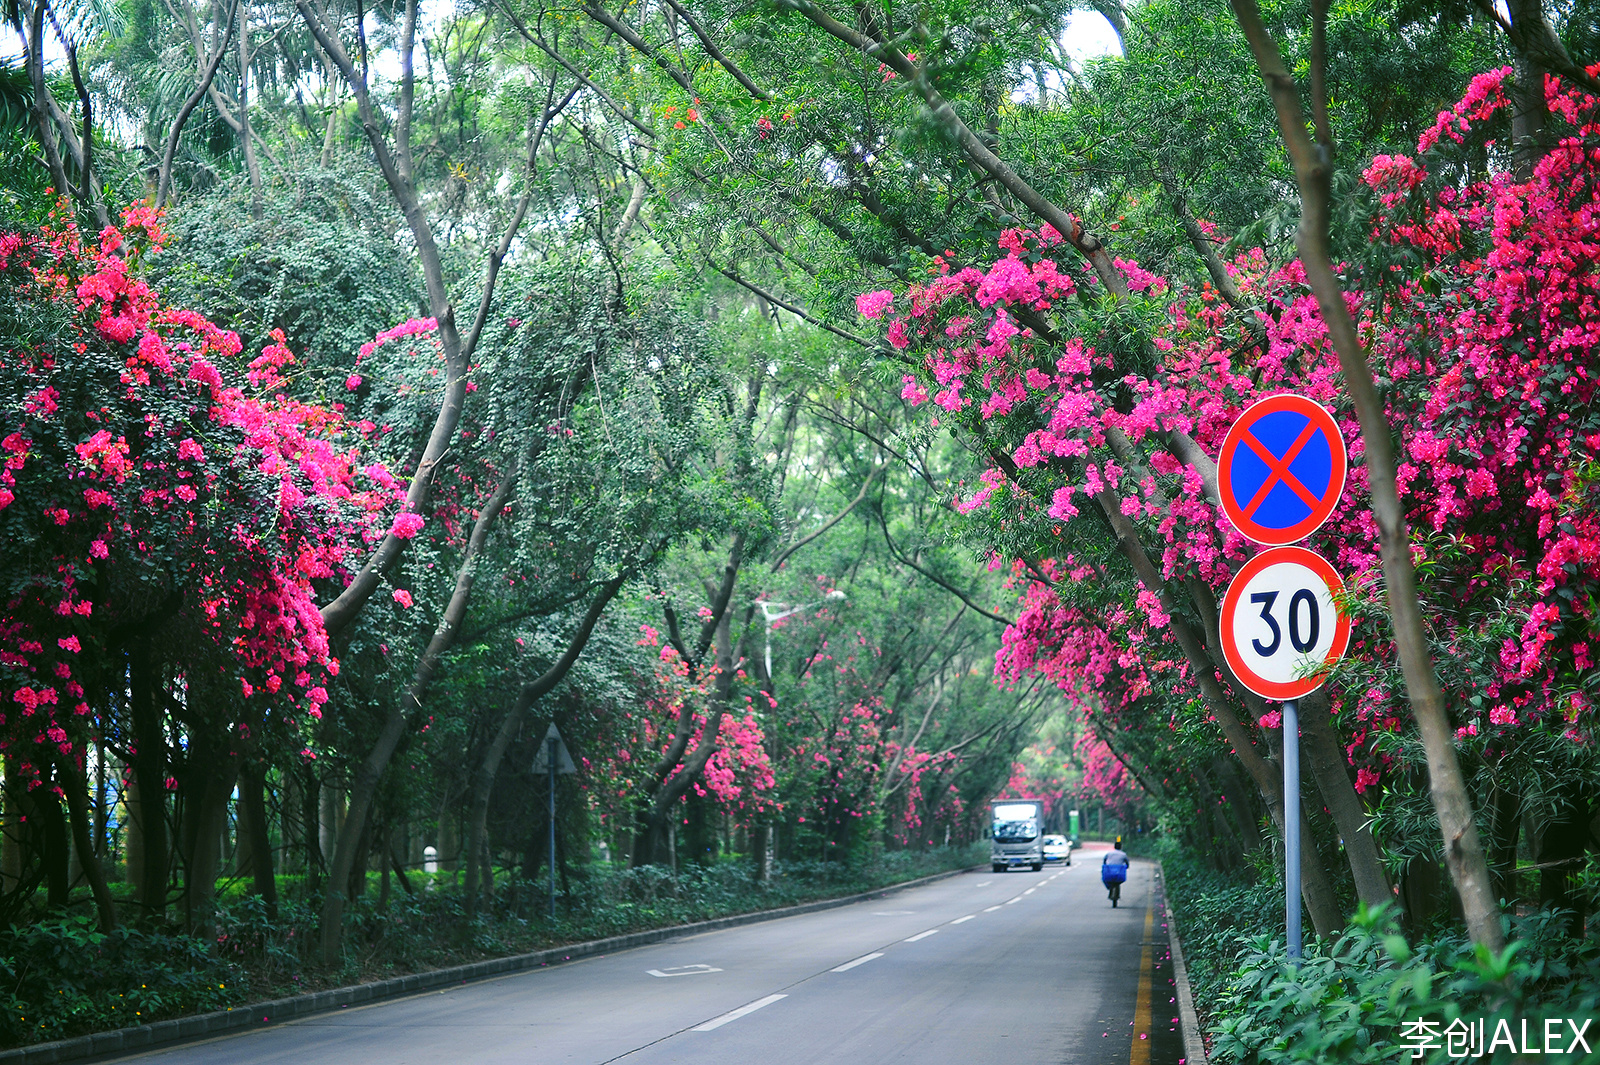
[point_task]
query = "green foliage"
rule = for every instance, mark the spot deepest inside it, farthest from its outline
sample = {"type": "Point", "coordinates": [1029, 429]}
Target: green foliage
{"type": "Point", "coordinates": [322, 266]}
{"type": "Point", "coordinates": [1349, 997]}
{"type": "Point", "coordinates": [62, 977]}
{"type": "Point", "coordinates": [23, 200]}
{"type": "Point", "coordinates": [1348, 1000]}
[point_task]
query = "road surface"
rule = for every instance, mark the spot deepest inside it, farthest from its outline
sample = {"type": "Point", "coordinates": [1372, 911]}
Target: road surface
{"type": "Point", "coordinates": [1019, 966]}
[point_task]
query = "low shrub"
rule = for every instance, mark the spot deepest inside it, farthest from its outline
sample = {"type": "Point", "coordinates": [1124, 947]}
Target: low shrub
{"type": "Point", "coordinates": [1370, 996]}
{"type": "Point", "coordinates": [64, 977]}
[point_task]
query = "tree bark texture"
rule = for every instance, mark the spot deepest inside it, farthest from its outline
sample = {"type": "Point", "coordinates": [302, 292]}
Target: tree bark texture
{"type": "Point", "coordinates": [1330, 770]}
{"type": "Point", "coordinates": [76, 787]}
{"type": "Point", "coordinates": [257, 843]}
{"type": "Point", "coordinates": [150, 771]}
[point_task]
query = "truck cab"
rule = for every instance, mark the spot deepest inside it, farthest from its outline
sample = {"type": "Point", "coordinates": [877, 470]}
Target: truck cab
{"type": "Point", "coordinates": [1015, 834]}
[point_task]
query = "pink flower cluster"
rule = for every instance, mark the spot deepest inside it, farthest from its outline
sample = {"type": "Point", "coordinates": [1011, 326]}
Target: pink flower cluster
{"type": "Point", "coordinates": [239, 531]}
{"type": "Point", "coordinates": [1489, 334]}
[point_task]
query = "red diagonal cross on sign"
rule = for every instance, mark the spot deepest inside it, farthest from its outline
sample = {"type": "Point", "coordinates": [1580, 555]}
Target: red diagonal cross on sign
{"type": "Point", "coordinates": [1280, 469]}
{"type": "Point", "coordinates": [1318, 430]}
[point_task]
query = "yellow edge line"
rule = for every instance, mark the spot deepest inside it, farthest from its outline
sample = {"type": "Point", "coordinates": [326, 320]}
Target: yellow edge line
{"type": "Point", "coordinates": [1140, 1054]}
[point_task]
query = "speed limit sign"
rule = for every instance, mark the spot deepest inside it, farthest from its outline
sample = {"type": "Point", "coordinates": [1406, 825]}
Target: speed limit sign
{"type": "Point", "coordinates": [1281, 629]}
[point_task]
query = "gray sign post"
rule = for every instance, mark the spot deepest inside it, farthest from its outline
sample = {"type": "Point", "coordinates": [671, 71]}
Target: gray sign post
{"type": "Point", "coordinates": [557, 760]}
{"type": "Point", "coordinates": [1291, 825]}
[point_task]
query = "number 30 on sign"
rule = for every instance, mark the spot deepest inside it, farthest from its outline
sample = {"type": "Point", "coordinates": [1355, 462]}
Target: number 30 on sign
{"type": "Point", "coordinates": [1281, 630]}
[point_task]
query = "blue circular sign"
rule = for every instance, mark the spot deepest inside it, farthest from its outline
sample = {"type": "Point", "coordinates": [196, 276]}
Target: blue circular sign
{"type": "Point", "coordinates": [1281, 470]}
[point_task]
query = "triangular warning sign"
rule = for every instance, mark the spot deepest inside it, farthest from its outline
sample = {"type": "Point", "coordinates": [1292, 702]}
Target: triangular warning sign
{"type": "Point", "coordinates": [563, 756]}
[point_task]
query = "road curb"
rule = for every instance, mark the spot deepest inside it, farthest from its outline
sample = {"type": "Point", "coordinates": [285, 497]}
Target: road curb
{"type": "Point", "coordinates": [267, 1014]}
{"type": "Point", "coordinates": [1194, 1046]}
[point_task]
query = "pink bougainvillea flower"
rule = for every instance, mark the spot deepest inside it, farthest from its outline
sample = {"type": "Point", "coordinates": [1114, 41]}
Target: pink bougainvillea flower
{"type": "Point", "coordinates": [406, 525]}
{"type": "Point", "coordinates": [873, 304]}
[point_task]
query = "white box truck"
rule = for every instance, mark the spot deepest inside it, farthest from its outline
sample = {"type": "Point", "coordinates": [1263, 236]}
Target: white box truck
{"type": "Point", "coordinates": [1016, 833]}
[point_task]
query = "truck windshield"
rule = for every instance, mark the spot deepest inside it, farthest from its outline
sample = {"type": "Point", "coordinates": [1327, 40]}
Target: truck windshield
{"type": "Point", "coordinates": [1016, 831]}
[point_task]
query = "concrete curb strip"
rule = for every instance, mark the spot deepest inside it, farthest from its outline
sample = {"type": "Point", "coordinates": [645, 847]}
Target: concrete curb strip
{"type": "Point", "coordinates": [1194, 1046]}
{"type": "Point", "coordinates": [263, 1014]}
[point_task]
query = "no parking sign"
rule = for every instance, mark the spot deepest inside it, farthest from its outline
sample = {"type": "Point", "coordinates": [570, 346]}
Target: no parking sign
{"type": "Point", "coordinates": [1281, 470]}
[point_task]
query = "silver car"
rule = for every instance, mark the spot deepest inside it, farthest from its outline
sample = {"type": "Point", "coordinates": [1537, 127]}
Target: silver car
{"type": "Point", "coordinates": [1057, 849]}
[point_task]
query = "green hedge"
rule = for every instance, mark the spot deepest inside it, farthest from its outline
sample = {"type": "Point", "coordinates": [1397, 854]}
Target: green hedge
{"type": "Point", "coordinates": [1370, 995]}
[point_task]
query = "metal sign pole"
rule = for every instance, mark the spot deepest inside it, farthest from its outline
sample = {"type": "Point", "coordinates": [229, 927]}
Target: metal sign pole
{"type": "Point", "coordinates": [552, 741]}
{"type": "Point", "coordinates": [1291, 825]}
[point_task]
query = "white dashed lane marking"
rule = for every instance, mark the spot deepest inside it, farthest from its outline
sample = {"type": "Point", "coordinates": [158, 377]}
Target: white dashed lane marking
{"type": "Point", "coordinates": [847, 966]}
{"type": "Point", "coordinates": [733, 1015]}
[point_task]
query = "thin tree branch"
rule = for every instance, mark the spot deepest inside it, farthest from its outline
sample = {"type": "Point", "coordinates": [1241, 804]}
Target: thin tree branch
{"type": "Point", "coordinates": [790, 307]}
{"type": "Point", "coordinates": [165, 175]}
{"type": "Point", "coordinates": [715, 53]}
{"type": "Point", "coordinates": [1087, 244]}
{"type": "Point", "coordinates": [946, 585]}
{"type": "Point", "coordinates": [831, 522]}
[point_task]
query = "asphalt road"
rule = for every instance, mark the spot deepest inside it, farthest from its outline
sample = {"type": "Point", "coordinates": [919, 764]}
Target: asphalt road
{"type": "Point", "coordinates": [1018, 966]}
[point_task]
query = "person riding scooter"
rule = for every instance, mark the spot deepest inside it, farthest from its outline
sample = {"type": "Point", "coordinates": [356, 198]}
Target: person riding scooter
{"type": "Point", "coordinates": [1114, 871]}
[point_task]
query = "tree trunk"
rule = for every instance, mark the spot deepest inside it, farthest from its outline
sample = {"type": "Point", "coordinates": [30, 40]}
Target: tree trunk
{"type": "Point", "coordinates": [44, 809]}
{"type": "Point", "coordinates": [1329, 768]}
{"type": "Point", "coordinates": [761, 846]}
{"type": "Point", "coordinates": [76, 787]}
{"type": "Point", "coordinates": [257, 840]}
{"type": "Point", "coordinates": [364, 786]}
{"type": "Point", "coordinates": [203, 838]}
{"type": "Point", "coordinates": [310, 828]}
{"type": "Point", "coordinates": [251, 165]}
{"type": "Point", "coordinates": [399, 869]}
{"type": "Point", "coordinates": [149, 811]}
{"type": "Point", "coordinates": [1504, 828]}
{"type": "Point", "coordinates": [15, 829]}
{"type": "Point", "coordinates": [1558, 852]}
{"type": "Point", "coordinates": [1452, 803]}
{"type": "Point", "coordinates": [356, 884]}
{"type": "Point", "coordinates": [1529, 109]}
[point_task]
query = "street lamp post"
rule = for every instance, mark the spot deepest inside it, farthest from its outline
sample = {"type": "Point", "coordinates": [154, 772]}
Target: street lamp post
{"type": "Point", "coordinates": [767, 609]}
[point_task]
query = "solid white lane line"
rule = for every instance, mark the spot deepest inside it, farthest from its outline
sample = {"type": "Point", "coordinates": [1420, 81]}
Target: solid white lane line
{"type": "Point", "coordinates": [847, 966]}
{"type": "Point", "coordinates": [963, 920]}
{"type": "Point", "coordinates": [922, 935]}
{"type": "Point", "coordinates": [733, 1015]}
{"type": "Point", "coordinates": [991, 909]}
